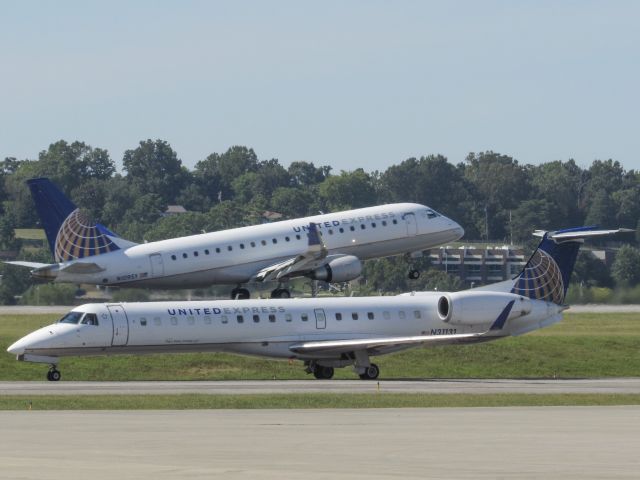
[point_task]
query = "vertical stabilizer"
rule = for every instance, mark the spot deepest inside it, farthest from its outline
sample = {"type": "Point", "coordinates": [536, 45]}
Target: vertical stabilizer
{"type": "Point", "coordinates": [71, 234]}
{"type": "Point", "coordinates": [547, 273]}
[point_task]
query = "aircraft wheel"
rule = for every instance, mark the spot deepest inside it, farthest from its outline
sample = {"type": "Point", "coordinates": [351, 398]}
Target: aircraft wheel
{"type": "Point", "coordinates": [414, 274]}
{"type": "Point", "coordinates": [280, 293]}
{"type": "Point", "coordinates": [371, 373]}
{"type": "Point", "coordinates": [240, 294]}
{"type": "Point", "coordinates": [49, 376]}
{"type": "Point", "coordinates": [53, 375]}
{"type": "Point", "coordinates": [323, 373]}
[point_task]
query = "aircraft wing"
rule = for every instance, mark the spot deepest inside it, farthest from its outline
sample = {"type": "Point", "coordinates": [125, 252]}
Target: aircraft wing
{"type": "Point", "coordinates": [316, 251]}
{"type": "Point", "coordinates": [27, 264]}
{"type": "Point", "coordinates": [345, 346]}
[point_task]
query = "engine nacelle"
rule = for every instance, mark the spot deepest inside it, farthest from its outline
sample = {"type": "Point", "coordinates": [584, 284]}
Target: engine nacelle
{"type": "Point", "coordinates": [341, 268]}
{"type": "Point", "coordinates": [480, 308]}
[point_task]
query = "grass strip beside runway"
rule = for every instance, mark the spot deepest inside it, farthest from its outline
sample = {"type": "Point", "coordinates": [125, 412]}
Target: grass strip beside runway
{"type": "Point", "coordinates": [308, 400]}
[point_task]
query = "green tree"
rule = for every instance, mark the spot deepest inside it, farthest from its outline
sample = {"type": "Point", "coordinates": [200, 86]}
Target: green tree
{"type": "Point", "coordinates": [626, 267]}
{"type": "Point", "coordinates": [154, 168]}
{"type": "Point", "coordinates": [348, 190]}
{"type": "Point", "coordinates": [216, 173]}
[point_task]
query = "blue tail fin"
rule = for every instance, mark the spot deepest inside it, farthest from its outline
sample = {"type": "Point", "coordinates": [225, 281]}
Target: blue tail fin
{"type": "Point", "coordinates": [547, 273]}
{"type": "Point", "coordinates": [70, 233]}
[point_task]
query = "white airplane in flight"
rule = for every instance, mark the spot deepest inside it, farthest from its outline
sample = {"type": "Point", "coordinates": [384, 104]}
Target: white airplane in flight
{"type": "Point", "coordinates": [88, 252]}
{"type": "Point", "coordinates": [325, 333]}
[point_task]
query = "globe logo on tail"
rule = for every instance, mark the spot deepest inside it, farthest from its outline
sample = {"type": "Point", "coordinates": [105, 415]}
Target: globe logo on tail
{"type": "Point", "coordinates": [541, 279]}
{"type": "Point", "coordinates": [79, 237]}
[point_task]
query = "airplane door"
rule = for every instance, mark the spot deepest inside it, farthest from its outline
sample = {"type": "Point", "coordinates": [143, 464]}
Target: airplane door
{"type": "Point", "coordinates": [412, 225]}
{"type": "Point", "coordinates": [157, 266]}
{"type": "Point", "coordinates": [321, 319]}
{"type": "Point", "coordinates": [120, 325]}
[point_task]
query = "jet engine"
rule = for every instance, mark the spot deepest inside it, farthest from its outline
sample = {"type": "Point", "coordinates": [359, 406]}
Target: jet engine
{"type": "Point", "coordinates": [478, 308]}
{"type": "Point", "coordinates": [340, 268]}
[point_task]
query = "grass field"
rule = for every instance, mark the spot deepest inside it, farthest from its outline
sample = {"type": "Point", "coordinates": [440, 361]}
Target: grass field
{"type": "Point", "coordinates": [581, 346]}
{"type": "Point", "coordinates": [306, 400]}
{"type": "Point", "coordinates": [30, 233]}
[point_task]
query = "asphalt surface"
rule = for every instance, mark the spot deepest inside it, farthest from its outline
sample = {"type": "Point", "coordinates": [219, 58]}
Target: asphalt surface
{"type": "Point", "coordinates": [465, 386]}
{"type": "Point", "coordinates": [461, 443]}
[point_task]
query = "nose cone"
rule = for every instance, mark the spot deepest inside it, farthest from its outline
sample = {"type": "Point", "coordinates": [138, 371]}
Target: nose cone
{"type": "Point", "coordinates": [458, 230]}
{"type": "Point", "coordinates": [17, 348]}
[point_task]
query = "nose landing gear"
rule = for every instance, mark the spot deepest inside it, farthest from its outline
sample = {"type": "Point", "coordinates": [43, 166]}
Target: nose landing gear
{"type": "Point", "coordinates": [53, 375]}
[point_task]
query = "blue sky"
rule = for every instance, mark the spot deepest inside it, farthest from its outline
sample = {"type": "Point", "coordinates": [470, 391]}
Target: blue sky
{"type": "Point", "coordinates": [347, 84]}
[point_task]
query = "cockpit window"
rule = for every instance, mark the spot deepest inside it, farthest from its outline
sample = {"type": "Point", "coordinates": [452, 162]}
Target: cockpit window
{"type": "Point", "coordinates": [71, 317]}
{"type": "Point", "coordinates": [90, 319]}
{"type": "Point", "coordinates": [432, 213]}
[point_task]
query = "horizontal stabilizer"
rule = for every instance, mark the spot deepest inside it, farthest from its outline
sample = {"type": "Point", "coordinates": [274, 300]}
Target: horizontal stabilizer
{"type": "Point", "coordinates": [27, 264]}
{"type": "Point", "coordinates": [579, 233]}
{"type": "Point", "coordinates": [340, 346]}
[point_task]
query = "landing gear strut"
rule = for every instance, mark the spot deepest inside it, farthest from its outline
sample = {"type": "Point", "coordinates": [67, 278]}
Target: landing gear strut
{"type": "Point", "coordinates": [53, 375]}
{"type": "Point", "coordinates": [240, 294]}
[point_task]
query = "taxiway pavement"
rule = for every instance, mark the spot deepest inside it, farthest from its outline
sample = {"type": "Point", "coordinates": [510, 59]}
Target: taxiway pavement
{"type": "Point", "coordinates": [464, 386]}
{"type": "Point", "coordinates": [462, 443]}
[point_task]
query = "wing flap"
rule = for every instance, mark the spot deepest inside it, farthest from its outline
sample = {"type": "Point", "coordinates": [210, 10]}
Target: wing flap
{"type": "Point", "coordinates": [316, 251]}
{"type": "Point", "coordinates": [343, 346]}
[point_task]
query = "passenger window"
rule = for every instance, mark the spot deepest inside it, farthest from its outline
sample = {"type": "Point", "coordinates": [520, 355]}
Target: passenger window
{"type": "Point", "coordinates": [386, 315]}
{"type": "Point", "coordinates": [401, 315]}
{"type": "Point", "coordinates": [370, 315]}
{"type": "Point", "coordinates": [416, 313]}
{"type": "Point", "coordinates": [207, 320]}
{"type": "Point", "coordinates": [157, 321]}
{"type": "Point", "coordinates": [304, 317]}
{"type": "Point", "coordinates": [253, 244]}
{"type": "Point", "coordinates": [395, 222]}
{"type": "Point", "coordinates": [362, 226]}
{"type": "Point", "coordinates": [263, 242]}
{"type": "Point", "coordinates": [242, 246]}
{"type": "Point", "coordinates": [256, 318]}
{"type": "Point", "coordinates": [287, 317]}
{"type": "Point", "coordinates": [373, 225]}
{"type": "Point", "coordinates": [330, 231]}
{"type": "Point", "coordinates": [184, 255]}
{"type": "Point", "coordinates": [272, 318]}
{"type": "Point", "coordinates": [354, 316]}
{"type": "Point", "coordinates": [341, 230]}
{"type": "Point", "coordinates": [384, 223]}
{"type": "Point", "coordinates": [143, 322]}
{"type": "Point", "coordinates": [225, 319]}
{"type": "Point", "coordinates": [338, 316]}
{"type": "Point", "coordinates": [297, 237]}
{"type": "Point", "coordinates": [206, 251]}
{"type": "Point", "coordinates": [229, 248]}
{"type": "Point", "coordinates": [217, 249]}
{"type": "Point", "coordinates": [352, 228]}
{"type": "Point", "coordinates": [195, 254]}
{"type": "Point", "coordinates": [174, 321]}
{"type": "Point", "coordinates": [173, 257]}
{"type": "Point", "coordinates": [287, 239]}
{"type": "Point", "coordinates": [274, 240]}
{"type": "Point", "coordinates": [240, 318]}
{"type": "Point", "coordinates": [191, 320]}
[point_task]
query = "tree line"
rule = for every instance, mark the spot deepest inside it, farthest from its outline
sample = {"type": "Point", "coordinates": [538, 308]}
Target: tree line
{"type": "Point", "coordinates": [493, 196]}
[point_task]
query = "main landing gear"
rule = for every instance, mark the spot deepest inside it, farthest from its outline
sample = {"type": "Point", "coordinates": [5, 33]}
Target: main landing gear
{"type": "Point", "coordinates": [53, 375]}
{"type": "Point", "coordinates": [280, 293]}
{"type": "Point", "coordinates": [360, 361]}
{"type": "Point", "coordinates": [240, 294]}
{"type": "Point", "coordinates": [414, 274]}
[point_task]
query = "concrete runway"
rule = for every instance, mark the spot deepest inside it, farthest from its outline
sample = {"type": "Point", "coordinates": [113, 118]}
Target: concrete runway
{"type": "Point", "coordinates": [466, 386]}
{"type": "Point", "coordinates": [464, 443]}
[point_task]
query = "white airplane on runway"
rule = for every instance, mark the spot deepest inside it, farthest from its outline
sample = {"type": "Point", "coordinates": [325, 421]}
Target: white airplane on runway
{"type": "Point", "coordinates": [88, 252]}
{"type": "Point", "coordinates": [323, 332]}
